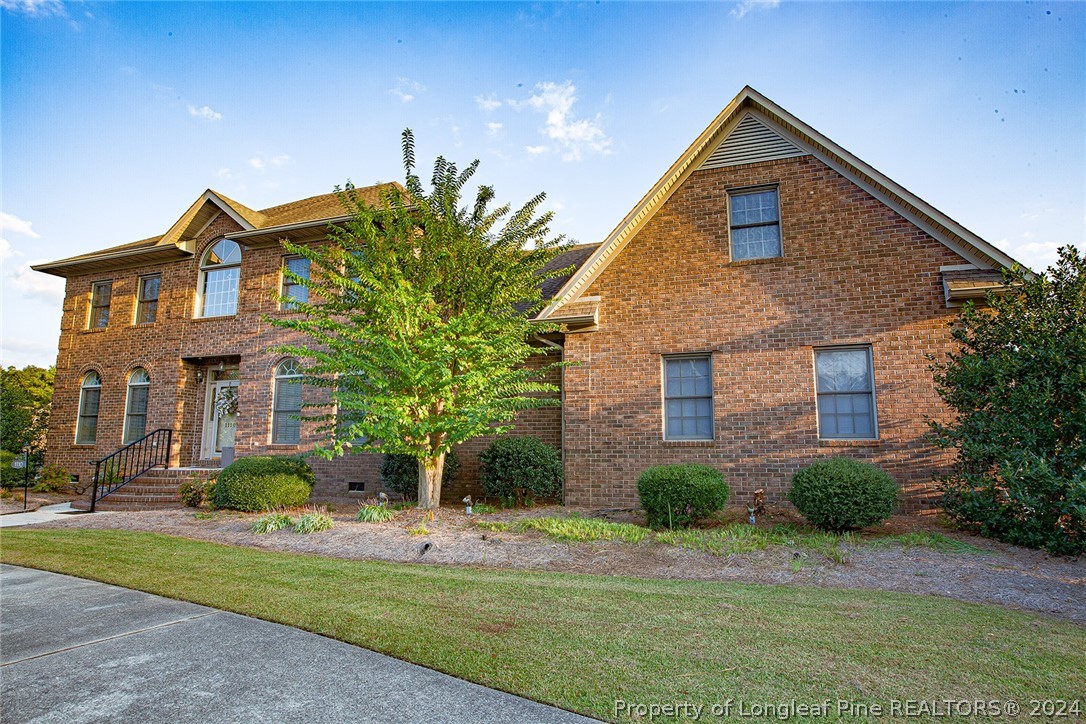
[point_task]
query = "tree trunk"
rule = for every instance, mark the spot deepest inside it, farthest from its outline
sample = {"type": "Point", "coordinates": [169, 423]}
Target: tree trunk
{"type": "Point", "coordinates": [430, 472]}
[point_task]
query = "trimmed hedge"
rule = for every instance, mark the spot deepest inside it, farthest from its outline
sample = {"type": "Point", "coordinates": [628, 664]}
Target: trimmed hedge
{"type": "Point", "coordinates": [842, 494]}
{"type": "Point", "coordinates": [264, 483]}
{"type": "Point", "coordinates": [674, 496]}
{"type": "Point", "coordinates": [400, 473]}
{"type": "Point", "coordinates": [521, 468]}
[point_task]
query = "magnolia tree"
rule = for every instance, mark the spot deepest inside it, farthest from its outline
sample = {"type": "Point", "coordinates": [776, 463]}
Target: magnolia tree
{"type": "Point", "coordinates": [418, 319]}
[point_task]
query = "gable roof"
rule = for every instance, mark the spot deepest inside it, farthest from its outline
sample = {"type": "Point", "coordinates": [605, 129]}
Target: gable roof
{"type": "Point", "coordinates": [752, 114]}
{"type": "Point", "coordinates": [179, 239]}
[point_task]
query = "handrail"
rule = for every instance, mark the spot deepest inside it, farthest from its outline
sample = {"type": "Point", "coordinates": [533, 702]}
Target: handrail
{"type": "Point", "coordinates": [130, 462]}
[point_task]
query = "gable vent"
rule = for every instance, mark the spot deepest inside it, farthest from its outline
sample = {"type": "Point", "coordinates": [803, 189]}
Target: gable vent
{"type": "Point", "coordinates": [750, 142]}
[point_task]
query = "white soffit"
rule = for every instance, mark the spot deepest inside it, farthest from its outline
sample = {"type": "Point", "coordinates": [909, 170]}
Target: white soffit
{"type": "Point", "coordinates": [751, 141]}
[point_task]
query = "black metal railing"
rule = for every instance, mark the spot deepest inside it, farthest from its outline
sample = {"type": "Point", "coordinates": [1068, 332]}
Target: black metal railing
{"type": "Point", "coordinates": [131, 461]}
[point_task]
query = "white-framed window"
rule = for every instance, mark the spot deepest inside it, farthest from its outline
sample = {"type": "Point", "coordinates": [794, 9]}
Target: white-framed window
{"type": "Point", "coordinates": [101, 295]}
{"type": "Point", "coordinates": [292, 290]}
{"type": "Point", "coordinates": [688, 397]}
{"type": "Point", "coordinates": [220, 276]}
{"type": "Point", "coordinates": [147, 299]}
{"type": "Point", "coordinates": [90, 392]}
{"type": "Point", "coordinates": [754, 224]}
{"type": "Point", "coordinates": [135, 406]}
{"type": "Point", "coordinates": [287, 403]}
{"type": "Point", "coordinates": [845, 385]}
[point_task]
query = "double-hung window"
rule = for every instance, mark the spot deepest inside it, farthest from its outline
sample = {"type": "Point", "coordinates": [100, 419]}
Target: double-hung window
{"type": "Point", "coordinates": [101, 293]}
{"type": "Point", "coordinates": [90, 392]}
{"type": "Point", "coordinates": [845, 382]}
{"type": "Point", "coordinates": [287, 403]}
{"type": "Point", "coordinates": [755, 224]}
{"type": "Point", "coordinates": [147, 304]}
{"type": "Point", "coordinates": [688, 398]}
{"type": "Point", "coordinates": [293, 291]}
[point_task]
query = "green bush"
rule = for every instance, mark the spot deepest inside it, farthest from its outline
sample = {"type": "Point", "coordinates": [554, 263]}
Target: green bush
{"type": "Point", "coordinates": [9, 476]}
{"type": "Point", "coordinates": [521, 468]}
{"type": "Point", "coordinates": [52, 479]}
{"type": "Point", "coordinates": [263, 483]}
{"type": "Point", "coordinates": [400, 473]}
{"type": "Point", "coordinates": [674, 496]}
{"type": "Point", "coordinates": [842, 494]}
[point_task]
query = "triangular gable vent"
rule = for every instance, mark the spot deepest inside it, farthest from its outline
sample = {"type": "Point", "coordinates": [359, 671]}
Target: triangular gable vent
{"type": "Point", "coordinates": [750, 142]}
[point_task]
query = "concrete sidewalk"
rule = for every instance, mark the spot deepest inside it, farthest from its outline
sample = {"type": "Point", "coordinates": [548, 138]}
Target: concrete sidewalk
{"type": "Point", "coordinates": [43, 514]}
{"type": "Point", "coordinates": [73, 650]}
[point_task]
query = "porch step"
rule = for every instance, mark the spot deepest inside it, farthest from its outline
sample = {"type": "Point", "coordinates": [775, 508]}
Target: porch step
{"type": "Point", "coordinates": [154, 490]}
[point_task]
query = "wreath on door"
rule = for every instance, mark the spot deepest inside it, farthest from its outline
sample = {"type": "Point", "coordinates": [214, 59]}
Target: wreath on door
{"type": "Point", "coordinates": [226, 401]}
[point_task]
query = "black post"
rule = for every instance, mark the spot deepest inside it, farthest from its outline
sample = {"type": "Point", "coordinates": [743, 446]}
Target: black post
{"type": "Point", "coordinates": [94, 492]}
{"type": "Point", "coordinates": [26, 474]}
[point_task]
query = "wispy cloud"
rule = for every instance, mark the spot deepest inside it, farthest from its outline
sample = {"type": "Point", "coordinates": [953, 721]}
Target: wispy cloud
{"type": "Point", "coordinates": [261, 162]}
{"type": "Point", "coordinates": [488, 103]}
{"type": "Point", "coordinates": [535, 150]}
{"type": "Point", "coordinates": [574, 137]}
{"type": "Point", "coordinates": [41, 8]}
{"type": "Point", "coordinates": [12, 224]}
{"type": "Point", "coordinates": [406, 89]}
{"type": "Point", "coordinates": [224, 173]}
{"type": "Point", "coordinates": [493, 128]}
{"type": "Point", "coordinates": [6, 252]}
{"type": "Point", "coordinates": [205, 112]}
{"type": "Point", "coordinates": [35, 285]}
{"type": "Point", "coordinates": [749, 5]}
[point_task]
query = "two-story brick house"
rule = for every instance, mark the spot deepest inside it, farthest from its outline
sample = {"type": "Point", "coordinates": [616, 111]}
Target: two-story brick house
{"type": "Point", "coordinates": [771, 300]}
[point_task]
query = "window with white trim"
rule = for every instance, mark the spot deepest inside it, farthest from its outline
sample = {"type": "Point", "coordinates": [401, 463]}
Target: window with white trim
{"type": "Point", "coordinates": [135, 408]}
{"type": "Point", "coordinates": [688, 398]}
{"type": "Point", "coordinates": [287, 403]}
{"type": "Point", "coordinates": [754, 224]}
{"type": "Point", "coordinates": [845, 381]}
{"type": "Point", "coordinates": [101, 294]}
{"type": "Point", "coordinates": [220, 276]}
{"type": "Point", "coordinates": [292, 290]}
{"type": "Point", "coordinates": [90, 392]}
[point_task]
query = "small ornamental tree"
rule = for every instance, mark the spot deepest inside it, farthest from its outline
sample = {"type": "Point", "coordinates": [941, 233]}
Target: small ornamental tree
{"type": "Point", "coordinates": [418, 319]}
{"type": "Point", "coordinates": [1017, 387]}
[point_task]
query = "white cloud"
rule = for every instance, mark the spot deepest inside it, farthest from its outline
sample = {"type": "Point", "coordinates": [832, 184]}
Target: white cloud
{"type": "Point", "coordinates": [535, 150]}
{"type": "Point", "coordinates": [406, 89]}
{"type": "Point", "coordinates": [574, 137]}
{"type": "Point", "coordinates": [36, 285]}
{"type": "Point", "coordinates": [10, 223]}
{"type": "Point", "coordinates": [748, 5]}
{"type": "Point", "coordinates": [493, 128]}
{"type": "Point", "coordinates": [1037, 255]}
{"type": "Point", "coordinates": [41, 8]}
{"type": "Point", "coordinates": [205, 112]}
{"type": "Point", "coordinates": [6, 252]}
{"type": "Point", "coordinates": [257, 163]}
{"type": "Point", "coordinates": [488, 103]}
{"type": "Point", "coordinates": [224, 173]}
{"type": "Point", "coordinates": [262, 162]}
{"type": "Point", "coordinates": [280, 159]}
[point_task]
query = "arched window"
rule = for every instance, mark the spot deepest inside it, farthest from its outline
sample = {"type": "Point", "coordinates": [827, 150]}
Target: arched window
{"type": "Point", "coordinates": [86, 429]}
{"type": "Point", "coordinates": [220, 272]}
{"type": "Point", "coordinates": [135, 409]}
{"type": "Point", "coordinates": [287, 403]}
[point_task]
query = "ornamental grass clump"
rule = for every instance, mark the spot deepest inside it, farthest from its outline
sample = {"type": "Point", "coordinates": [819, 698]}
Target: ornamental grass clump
{"type": "Point", "coordinates": [368, 513]}
{"type": "Point", "coordinates": [842, 494]}
{"type": "Point", "coordinates": [675, 496]}
{"type": "Point", "coordinates": [313, 521]}
{"type": "Point", "coordinates": [271, 522]}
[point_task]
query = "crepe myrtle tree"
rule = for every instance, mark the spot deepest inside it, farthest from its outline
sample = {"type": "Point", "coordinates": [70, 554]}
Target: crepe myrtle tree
{"type": "Point", "coordinates": [418, 318]}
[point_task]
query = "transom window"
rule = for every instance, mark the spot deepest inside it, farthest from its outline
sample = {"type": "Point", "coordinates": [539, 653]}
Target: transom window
{"type": "Point", "coordinates": [292, 290]}
{"type": "Point", "coordinates": [90, 391]}
{"type": "Point", "coordinates": [846, 393]}
{"type": "Point", "coordinates": [220, 274]}
{"type": "Point", "coordinates": [147, 306]}
{"type": "Point", "coordinates": [688, 398]}
{"type": "Point", "coordinates": [135, 409]}
{"type": "Point", "coordinates": [755, 224]}
{"type": "Point", "coordinates": [287, 403]}
{"type": "Point", "coordinates": [101, 294]}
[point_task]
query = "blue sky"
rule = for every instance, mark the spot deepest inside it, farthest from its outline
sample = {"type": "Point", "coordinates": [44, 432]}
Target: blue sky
{"type": "Point", "coordinates": [116, 116]}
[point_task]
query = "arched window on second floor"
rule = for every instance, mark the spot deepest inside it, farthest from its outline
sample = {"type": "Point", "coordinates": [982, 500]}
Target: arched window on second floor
{"type": "Point", "coordinates": [90, 392]}
{"type": "Point", "coordinates": [220, 274]}
{"type": "Point", "coordinates": [135, 409]}
{"type": "Point", "coordinates": [287, 403]}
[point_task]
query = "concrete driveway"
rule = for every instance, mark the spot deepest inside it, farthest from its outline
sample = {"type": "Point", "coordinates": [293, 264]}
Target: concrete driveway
{"type": "Point", "coordinates": [77, 651]}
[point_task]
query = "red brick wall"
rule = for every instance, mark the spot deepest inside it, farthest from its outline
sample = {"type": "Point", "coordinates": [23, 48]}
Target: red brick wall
{"type": "Point", "coordinates": [852, 272]}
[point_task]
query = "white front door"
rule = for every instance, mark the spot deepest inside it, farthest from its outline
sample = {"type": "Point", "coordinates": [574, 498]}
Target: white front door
{"type": "Point", "coordinates": [220, 416]}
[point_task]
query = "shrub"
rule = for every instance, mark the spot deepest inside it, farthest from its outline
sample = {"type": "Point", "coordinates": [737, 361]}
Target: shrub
{"type": "Point", "coordinates": [194, 491]}
{"type": "Point", "coordinates": [9, 476]}
{"type": "Point", "coordinates": [400, 473]}
{"type": "Point", "coordinates": [313, 522]}
{"type": "Point", "coordinates": [674, 496]}
{"type": "Point", "coordinates": [271, 522]}
{"type": "Point", "coordinates": [263, 483]}
{"type": "Point", "coordinates": [521, 468]}
{"type": "Point", "coordinates": [52, 479]}
{"type": "Point", "coordinates": [842, 494]}
{"type": "Point", "coordinates": [374, 514]}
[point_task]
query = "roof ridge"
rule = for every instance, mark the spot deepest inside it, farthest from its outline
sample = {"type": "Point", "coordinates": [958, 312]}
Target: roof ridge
{"type": "Point", "coordinates": [268, 211]}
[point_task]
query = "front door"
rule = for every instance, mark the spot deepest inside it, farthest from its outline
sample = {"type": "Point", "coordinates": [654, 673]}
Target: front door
{"type": "Point", "coordinates": [220, 413]}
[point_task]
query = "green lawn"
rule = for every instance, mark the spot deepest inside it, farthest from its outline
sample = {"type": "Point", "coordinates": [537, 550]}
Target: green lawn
{"type": "Point", "coordinates": [580, 642]}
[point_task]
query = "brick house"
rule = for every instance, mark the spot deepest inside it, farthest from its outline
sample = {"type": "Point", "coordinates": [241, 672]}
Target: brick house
{"type": "Point", "coordinates": [771, 300]}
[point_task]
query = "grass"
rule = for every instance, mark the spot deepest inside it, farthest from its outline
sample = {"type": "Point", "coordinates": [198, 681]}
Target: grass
{"type": "Point", "coordinates": [575, 528]}
{"type": "Point", "coordinates": [313, 521]}
{"type": "Point", "coordinates": [580, 642]}
{"type": "Point", "coordinates": [744, 538]}
{"type": "Point", "coordinates": [271, 522]}
{"type": "Point", "coordinates": [374, 514]}
{"type": "Point", "coordinates": [927, 539]}
{"type": "Point", "coordinates": [483, 509]}
{"type": "Point", "coordinates": [419, 529]}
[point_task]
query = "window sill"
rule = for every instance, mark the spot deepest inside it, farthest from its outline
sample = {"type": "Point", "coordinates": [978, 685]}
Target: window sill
{"type": "Point", "coordinates": [85, 445]}
{"type": "Point", "coordinates": [284, 446]}
{"type": "Point", "coordinates": [93, 330]}
{"type": "Point", "coordinates": [144, 324]}
{"type": "Point", "coordinates": [749, 262]}
{"type": "Point", "coordinates": [212, 319]}
{"type": "Point", "coordinates": [850, 443]}
{"type": "Point", "coordinates": [688, 443]}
